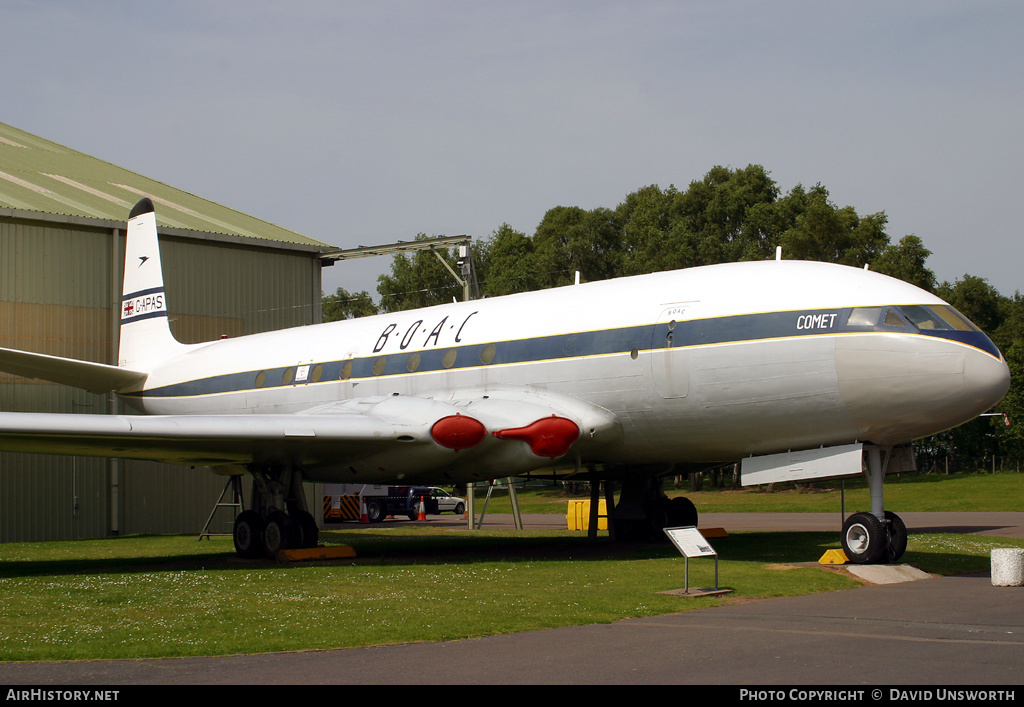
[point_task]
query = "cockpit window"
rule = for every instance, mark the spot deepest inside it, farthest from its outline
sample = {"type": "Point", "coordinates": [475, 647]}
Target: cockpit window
{"type": "Point", "coordinates": [892, 318]}
{"type": "Point", "coordinates": [940, 317]}
{"type": "Point", "coordinates": [864, 316]}
{"type": "Point", "coordinates": [954, 318]}
{"type": "Point", "coordinates": [923, 318]}
{"type": "Point", "coordinates": [935, 320]}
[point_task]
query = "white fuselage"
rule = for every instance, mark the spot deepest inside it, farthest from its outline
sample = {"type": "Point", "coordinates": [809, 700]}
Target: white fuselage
{"type": "Point", "coordinates": [700, 365]}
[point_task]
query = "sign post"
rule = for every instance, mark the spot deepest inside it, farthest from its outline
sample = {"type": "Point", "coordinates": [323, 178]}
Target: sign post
{"type": "Point", "coordinates": [690, 543]}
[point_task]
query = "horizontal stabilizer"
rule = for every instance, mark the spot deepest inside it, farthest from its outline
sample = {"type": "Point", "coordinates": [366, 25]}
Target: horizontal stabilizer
{"type": "Point", "coordinates": [94, 377]}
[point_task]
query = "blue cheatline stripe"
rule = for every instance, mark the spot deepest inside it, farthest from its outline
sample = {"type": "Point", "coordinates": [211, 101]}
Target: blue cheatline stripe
{"type": "Point", "coordinates": [140, 317]}
{"type": "Point", "coordinates": [647, 337]}
{"type": "Point", "coordinates": [152, 300]}
{"type": "Point", "coordinates": [141, 293]}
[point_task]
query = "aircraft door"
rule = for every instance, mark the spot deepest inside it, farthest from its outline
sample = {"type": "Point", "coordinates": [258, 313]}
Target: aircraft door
{"type": "Point", "coordinates": [671, 377]}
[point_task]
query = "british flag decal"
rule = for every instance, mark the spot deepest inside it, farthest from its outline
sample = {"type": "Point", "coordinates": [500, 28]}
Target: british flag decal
{"type": "Point", "coordinates": [145, 304]}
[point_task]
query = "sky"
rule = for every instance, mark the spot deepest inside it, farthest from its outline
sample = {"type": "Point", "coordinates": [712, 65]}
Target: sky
{"type": "Point", "coordinates": [361, 123]}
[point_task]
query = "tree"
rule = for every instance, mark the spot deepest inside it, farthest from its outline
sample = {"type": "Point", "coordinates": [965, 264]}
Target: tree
{"type": "Point", "coordinates": [976, 299]}
{"type": "Point", "coordinates": [1009, 336]}
{"type": "Point", "coordinates": [342, 305]}
{"type": "Point", "coordinates": [646, 218]}
{"type": "Point", "coordinates": [1009, 430]}
{"type": "Point", "coordinates": [716, 209]}
{"type": "Point", "coordinates": [822, 231]}
{"type": "Point", "coordinates": [510, 264]}
{"type": "Point", "coordinates": [708, 223]}
{"type": "Point", "coordinates": [569, 238]}
{"type": "Point", "coordinates": [906, 262]}
{"type": "Point", "coordinates": [1011, 327]}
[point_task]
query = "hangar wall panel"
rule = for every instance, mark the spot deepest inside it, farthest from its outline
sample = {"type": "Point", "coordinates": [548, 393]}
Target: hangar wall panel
{"type": "Point", "coordinates": [167, 498]}
{"type": "Point", "coordinates": [60, 290]}
{"type": "Point", "coordinates": [45, 497]}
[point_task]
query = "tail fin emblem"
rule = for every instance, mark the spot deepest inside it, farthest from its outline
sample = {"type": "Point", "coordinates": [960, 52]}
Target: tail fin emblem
{"type": "Point", "coordinates": [143, 259]}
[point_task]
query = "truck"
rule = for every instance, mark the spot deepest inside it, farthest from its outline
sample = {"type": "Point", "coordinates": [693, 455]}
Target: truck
{"type": "Point", "coordinates": [342, 501]}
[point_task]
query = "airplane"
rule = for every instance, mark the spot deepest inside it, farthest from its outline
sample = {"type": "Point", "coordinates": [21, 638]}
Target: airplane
{"type": "Point", "coordinates": [802, 370]}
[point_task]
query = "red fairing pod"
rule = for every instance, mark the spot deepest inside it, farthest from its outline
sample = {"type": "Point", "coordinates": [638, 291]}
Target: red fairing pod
{"type": "Point", "coordinates": [458, 431]}
{"type": "Point", "coordinates": [547, 437]}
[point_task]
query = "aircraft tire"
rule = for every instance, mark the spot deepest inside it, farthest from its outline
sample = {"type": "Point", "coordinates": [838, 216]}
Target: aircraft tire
{"type": "Point", "coordinates": [897, 537]}
{"type": "Point", "coordinates": [865, 539]}
{"type": "Point", "coordinates": [658, 518]}
{"type": "Point", "coordinates": [305, 532]}
{"type": "Point", "coordinates": [278, 533]}
{"type": "Point", "coordinates": [248, 535]}
{"type": "Point", "coordinates": [682, 512]}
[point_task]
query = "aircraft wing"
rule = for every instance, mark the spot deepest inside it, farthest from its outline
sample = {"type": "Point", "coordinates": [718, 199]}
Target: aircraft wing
{"type": "Point", "coordinates": [380, 436]}
{"type": "Point", "coordinates": [192, 439]}
{"type": "Point", "coordinates": [94, 377]}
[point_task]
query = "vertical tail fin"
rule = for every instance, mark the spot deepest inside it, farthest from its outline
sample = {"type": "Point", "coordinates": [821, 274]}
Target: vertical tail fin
{"type": "Point", "coordinates": [145, 335]}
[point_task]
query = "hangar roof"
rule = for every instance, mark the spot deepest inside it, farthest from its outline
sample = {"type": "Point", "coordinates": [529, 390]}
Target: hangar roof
{"type": "Point", "coordinates": [42, 176]}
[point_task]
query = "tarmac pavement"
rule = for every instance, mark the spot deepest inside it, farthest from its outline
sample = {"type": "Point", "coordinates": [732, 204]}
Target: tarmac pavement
{"type": "Point", "coordinates": [1004, 524]}
{"type": "Point", "coordinates": [937, 632]}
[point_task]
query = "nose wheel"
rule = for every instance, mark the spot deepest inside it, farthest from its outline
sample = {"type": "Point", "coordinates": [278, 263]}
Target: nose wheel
{"type": "Point", "coordinates": [897, 537]}
{"type": "Point", "coordinates": [878, 537]}
{"type": "Point", "coordinates": [869, 541]}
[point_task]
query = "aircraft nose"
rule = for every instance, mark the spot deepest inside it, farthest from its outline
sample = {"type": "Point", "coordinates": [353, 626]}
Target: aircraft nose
{"type": "Point", "coordinates": [986, 379]}
{"type": "Point", "coordinates": [900, 389]}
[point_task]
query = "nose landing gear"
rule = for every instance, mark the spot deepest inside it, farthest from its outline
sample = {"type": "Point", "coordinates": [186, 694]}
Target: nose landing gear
{"type": "Point", "coordinates": [869, 541]}
{"type": "Point", "coordinates": [878, 537]}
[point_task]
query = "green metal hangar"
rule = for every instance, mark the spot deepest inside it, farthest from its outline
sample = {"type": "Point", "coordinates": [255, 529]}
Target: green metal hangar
{"type": "Point", "coordinates": [62, 221]}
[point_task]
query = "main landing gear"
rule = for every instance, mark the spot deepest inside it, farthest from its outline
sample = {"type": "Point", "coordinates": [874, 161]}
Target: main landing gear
{"type": "Point", "coordinates": [878, 537]}
{"type": "Point", "coordinates": [643, 511]}
{"type": "Point", "coordinates": [278, 518]}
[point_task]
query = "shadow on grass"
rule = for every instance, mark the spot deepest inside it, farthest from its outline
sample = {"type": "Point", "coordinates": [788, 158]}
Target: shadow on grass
{"type": "Point", "coordinates": [428, 547]}
{"type": "Point", "coordinates": [163, 563]}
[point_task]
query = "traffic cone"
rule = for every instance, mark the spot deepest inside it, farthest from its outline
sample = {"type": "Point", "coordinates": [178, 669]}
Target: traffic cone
{"type": "Point", "coordinates": [423, 510]}
{"type": "Point", "coordinates": [363, 518]}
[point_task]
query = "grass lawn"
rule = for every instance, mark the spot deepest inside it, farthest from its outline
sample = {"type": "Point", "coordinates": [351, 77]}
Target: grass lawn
{"type": "Point", "coordinates": [157, 596]}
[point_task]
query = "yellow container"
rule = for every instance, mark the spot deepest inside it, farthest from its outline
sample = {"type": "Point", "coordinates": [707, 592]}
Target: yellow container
{"type": "Point", "coordinates": [577, 516]}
